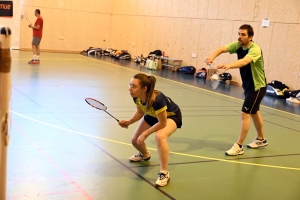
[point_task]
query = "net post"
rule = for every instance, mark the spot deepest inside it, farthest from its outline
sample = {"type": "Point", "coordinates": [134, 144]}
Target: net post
{"type": "Point", "coordinates": [5, 81]}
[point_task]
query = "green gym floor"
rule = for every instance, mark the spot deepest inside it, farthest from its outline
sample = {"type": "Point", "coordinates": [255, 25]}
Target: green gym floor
{"type": "Point", "coordinates": [61, 148]}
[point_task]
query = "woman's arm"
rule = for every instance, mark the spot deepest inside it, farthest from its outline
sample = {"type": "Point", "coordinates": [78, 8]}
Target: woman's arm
{"type": "Point", "coordinates": [137, 116]}
{"type": "Point", "coordinates": [139, 113]}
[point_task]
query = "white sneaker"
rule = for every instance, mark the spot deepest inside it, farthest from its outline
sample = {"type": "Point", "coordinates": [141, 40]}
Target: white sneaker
{"type": "Point", "coordinates": [257, 143]}
{"type": "Point", "coordinates": [163, 179]}
{"type": "Point", "coordinates": [293, 100]}
{"type": "Point", "coordinates": [235, 150]}
{"type": "Point", "coordinates": [139, 157]}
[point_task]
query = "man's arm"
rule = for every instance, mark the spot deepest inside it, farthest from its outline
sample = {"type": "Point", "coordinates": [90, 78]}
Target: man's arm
{"type": "Point", "coordinates": [37, 27]}
{"type": "Point", "coordinates": [237, 64]}
{"type": "Point", "coordinates": [215, 54]}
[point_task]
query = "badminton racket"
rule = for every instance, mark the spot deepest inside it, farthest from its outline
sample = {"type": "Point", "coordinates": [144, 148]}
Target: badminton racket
{"type": "Point", "coordinates": [26, 16]}
{"type": "Point", "coordinates": [98, 105]}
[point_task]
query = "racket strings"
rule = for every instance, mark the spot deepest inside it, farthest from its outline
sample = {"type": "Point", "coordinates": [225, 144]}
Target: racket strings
{"type": "Point", "coordinates": [96, 104]}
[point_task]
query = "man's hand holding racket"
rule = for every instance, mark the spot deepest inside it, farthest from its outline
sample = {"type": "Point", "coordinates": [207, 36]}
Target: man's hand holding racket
{"type": "Point", "coordinates": [209, 60]}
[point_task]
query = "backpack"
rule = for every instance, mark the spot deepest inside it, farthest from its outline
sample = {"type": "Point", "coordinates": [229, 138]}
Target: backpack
{"type": "Point", "coordinates": [276, 89]}
{"type": "Point", "coordinates": [187, 70]}
{"type": "Point", "coordinates": [225, 77]}
{"type": "Point", "coordinates": [201, 73]}
{"type": "Point", "coordinates": [155, 53]}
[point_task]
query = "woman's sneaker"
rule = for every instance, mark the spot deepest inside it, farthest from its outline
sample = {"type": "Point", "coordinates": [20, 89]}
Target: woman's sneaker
{"type": "Point", "coordinates": [163, 179]}
{"type": "Point", "coordinates": [235, 150]}
{"type": "Point", "coordinates": [139, 157]}
{"type": "Point", "coordinates": [256, 143]}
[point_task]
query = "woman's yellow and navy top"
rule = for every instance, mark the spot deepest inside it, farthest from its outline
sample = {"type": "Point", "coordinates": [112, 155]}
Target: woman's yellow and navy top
{"type": "Point", "coordinates": [160, 104]}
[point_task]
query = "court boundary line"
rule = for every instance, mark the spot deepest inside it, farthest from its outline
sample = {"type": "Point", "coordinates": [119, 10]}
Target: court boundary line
{"type": "Point", "coordinates": [65, 175]}
{"type": "Point", "coordinates": [131, 170]}
{"type": "Point", "coordinates": [120, 66]}
{"type": "Point", "coordinates": [171, 152]}
{"type": "Point", "coordinates": [204, 161]}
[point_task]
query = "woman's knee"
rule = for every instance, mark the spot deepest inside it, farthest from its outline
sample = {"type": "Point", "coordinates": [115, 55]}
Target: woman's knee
{"type": "Point", "coordinates": [160, 137]}
{"type": "Point", "coordinates": [133, 140]}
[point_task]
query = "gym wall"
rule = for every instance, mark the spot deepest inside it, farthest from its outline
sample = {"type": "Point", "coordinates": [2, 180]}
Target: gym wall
{"type": "Point", "coordinates": [183, 27]}
{"type": "Point", "coordinates": [69, 25]}
{"type": "Point", "coordinates": [178, 27]}
{"type": "Point", "coordinates": [14, 24]}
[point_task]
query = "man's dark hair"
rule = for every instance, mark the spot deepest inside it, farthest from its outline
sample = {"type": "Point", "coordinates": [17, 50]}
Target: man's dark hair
{"type": "Point", "coordinates": [38, 11]}
{"type": "Point", "coordinates": [248, 28]}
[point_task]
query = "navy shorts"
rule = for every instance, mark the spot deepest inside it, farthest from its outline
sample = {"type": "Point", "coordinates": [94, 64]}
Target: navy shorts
{"type": "Point", "coordinates": [177, 118]}
{"type": "Point", "coordinates": [253, 100]}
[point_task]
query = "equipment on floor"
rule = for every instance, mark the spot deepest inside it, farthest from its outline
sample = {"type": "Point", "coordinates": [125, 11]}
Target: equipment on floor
{"type": "Point", "coordinates": [108, 51]}
{"type": "Point", "coordinates": [123, 55]}
{"type": "Point", "coordinates": [92, 51]}
{"type": "Point", "coordinates": [276, 89]}
{"type": "Point", "coordinates": [225, 77]}
{"type": "Point", "coordinates": [155, 53]}
{"type": "Point", "coordinates": [187, 70]}
{"type": "Point", "coordinates": [201, 73]}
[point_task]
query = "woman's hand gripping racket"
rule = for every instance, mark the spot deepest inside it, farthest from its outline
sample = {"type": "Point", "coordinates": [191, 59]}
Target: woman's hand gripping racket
{"type": "Point", "coordinates": [98, 105]}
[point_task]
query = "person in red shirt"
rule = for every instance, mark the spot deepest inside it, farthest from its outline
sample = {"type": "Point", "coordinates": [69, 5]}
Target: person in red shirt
{"type": "Point", "coordinates": [37, 36]}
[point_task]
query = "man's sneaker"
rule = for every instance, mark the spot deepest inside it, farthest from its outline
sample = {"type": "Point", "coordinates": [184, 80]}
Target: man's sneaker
{"type": "Point", "coordinates": [257, 143]}
{"type": "Point", "coordinates": [235, 150]}
{"type": "Point", "coordinates": [163, 179]}
{"type": "Point", "coordinates": [33, 61]}
{"type": "Point", "coordinates": [139, 157]}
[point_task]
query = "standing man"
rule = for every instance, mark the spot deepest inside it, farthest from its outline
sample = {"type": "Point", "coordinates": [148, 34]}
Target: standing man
{"type": "Point", "coordinates": [37, 36]}
{"type": "Point", "coordinates": [251, 65]}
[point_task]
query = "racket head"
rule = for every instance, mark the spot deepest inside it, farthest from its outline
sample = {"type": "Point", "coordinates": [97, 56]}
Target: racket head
{"type": "Point", "coordinates": [26, 16]}
{"type": "Point", "coordinates": [96, 104]}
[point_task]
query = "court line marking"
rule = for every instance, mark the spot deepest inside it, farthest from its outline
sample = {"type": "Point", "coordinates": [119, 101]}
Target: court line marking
{"type": "Point", "coordinates": [189, 85]}
{"type": "Point", "coordinates": [131, 170]}
{"type": "Point", "coordinates": [205, 161]}
{"type": "Point", "coordinates": [171, 152]}
{"type": "Point", "coordinates": [66, 176]}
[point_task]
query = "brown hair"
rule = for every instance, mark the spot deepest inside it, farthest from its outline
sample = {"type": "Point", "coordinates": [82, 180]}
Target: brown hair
{"type": "Point", "coordinates": [38, 11]}
{"type": "Point", "coordinates": [149, 82]}
{"type": "Point", "coordinates": [248, 28]}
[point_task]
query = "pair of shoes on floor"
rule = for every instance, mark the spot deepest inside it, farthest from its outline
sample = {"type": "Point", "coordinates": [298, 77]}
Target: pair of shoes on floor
{"type": "Point", "coordinates": [293, 100]}
{"type": "Point", "coordinates": [237, 150]}
{"type": "Point", "coordinates": [163, 177]}
{"type": "Point", "coordinates": [34, 61]}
